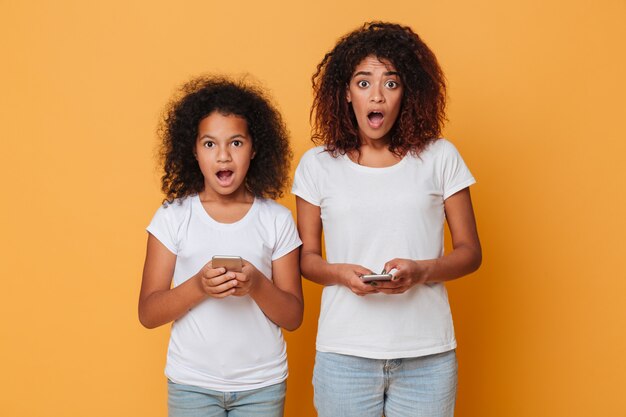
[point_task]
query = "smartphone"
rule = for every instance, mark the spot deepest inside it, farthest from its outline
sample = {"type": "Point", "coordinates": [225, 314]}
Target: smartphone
{"type": "Point", "coordinates": [376, 277]}
{"type": "Point", "coordinates": [231, 263]}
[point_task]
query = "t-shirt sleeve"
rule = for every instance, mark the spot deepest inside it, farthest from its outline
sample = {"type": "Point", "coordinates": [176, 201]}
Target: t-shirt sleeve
{"type": "Point", "coordinates": [306, 178]}
{"type": "Point", "coordinates": [287, 238]}
{"type": "Point", "coordinates": [163, 228]}
{"type": "Point", "coordinates": [455, 174]}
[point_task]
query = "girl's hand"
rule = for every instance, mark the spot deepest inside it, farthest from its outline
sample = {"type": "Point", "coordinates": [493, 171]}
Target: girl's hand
{"type": "Point", "coordinates": [216, 282]}
{"type": "Point", "coordinates": [407, 274]}
{"type": "Point", "coordinates": [247, 279]}
{"type": "Point", "coordinates": [350, 276]}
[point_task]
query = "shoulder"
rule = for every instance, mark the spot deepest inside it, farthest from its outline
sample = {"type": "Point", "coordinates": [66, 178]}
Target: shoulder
{"type": "Point", "coordinates": [274, 217]}
{"type": "Point", "coordinates": [317, 155]}
{"type": "Point", "coordinates": [270, 208]}
{"type": "Point", "coordinates": [439, 146]}
{"type": "Point", "coordinates": [177, 209]}
{"type": "Point", "coordinates": [179, 204]}
{"type": "Point", "coordinates": [438, 150]}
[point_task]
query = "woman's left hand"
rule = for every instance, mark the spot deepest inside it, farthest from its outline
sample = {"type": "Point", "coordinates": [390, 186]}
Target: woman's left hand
{"type": "Point", "coordinates": [407, 274]}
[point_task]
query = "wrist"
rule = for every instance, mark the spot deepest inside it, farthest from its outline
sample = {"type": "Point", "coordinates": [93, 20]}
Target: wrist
{"type": "Point", "coordinates": [257, 282]}
{"type": "Point", "coordinates": [429, 271]}
{"type": "Point", "coordinates": [337, 275]}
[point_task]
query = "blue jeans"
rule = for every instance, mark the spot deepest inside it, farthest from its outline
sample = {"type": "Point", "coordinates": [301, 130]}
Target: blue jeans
{"type": "Point", "coordinates": [190, 401]}
{"type": "Point", "coordinates": [350, 386]}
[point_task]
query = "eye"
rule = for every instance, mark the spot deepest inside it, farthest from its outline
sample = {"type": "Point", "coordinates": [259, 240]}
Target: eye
{"type": "Point", "coordinates": [208, 144]}
{"type": "Point", "coordinates": [391, 84]}
{"type": "Point", "coordinates": [237, 143]}
{"type": "Point", "coordinates": [363, 84]}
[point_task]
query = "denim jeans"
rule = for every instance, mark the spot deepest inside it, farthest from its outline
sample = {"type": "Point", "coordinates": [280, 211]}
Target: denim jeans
{"type": "Point", "coordinates": [190, 401]}
{"type": "Point", "coordinates": [351, 386]}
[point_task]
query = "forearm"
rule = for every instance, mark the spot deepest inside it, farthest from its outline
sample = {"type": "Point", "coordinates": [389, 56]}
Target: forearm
{"type": "Point", "coordinates": [461, 261]}
{"type": "Point", "coordinates": [281, 307]}
{"type": "Point", "coordinates": [162, 307]}
{"type": "Point", "coordinates": [317, 269]}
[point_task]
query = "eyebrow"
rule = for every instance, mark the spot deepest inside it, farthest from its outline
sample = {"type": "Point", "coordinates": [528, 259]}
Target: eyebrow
{"type": "Point", "coordinates": [369, 73]}
{"type": "Point", "coordinates": [238, 135]}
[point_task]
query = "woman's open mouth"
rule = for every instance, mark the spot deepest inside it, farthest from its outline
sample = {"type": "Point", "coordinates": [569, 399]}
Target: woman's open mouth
{"type": "Point", "coordinates": [375, 119]}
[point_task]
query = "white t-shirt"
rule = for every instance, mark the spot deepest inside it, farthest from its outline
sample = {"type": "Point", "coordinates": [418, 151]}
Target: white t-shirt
{"type": "Point", "coordinates": [225, 344]}
{"type": "Point", "coordinates": [370, 216]}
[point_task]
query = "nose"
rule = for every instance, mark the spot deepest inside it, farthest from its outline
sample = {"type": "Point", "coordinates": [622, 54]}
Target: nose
{"type": "Point", "coordinates": [223, 154]}
{"type": "Point", "coordinates": [376, 94]}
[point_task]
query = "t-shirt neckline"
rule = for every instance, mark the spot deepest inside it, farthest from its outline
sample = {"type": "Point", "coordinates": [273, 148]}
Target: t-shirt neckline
{"type": "Point", "coordinates": [210, 220]}
{"type": "Point", "coordinates": [375, 170]}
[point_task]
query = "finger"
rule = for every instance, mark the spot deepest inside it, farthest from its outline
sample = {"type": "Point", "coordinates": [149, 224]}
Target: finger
{"type": "Point", "coordinates": [226, 286]}
{"type": "Point", "coordinates": [361, 270]}
{"type": "Point", "coordinates": [224, 294]}
{"type": "Point", "coordinates": [361, 286]}
{"type": "Point", "coordinates": [241, 277]}
{"type": "Point", "coordinates": [392, 264]}
{"type": "Point", "coordinates": [220, 280]}
{"type": "Point", "coordinates": [394, 283]}
{"type": "Point", "coordinates": [213, 272]}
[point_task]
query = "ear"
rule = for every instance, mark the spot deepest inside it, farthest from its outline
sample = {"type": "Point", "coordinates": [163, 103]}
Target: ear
{"type": "Point", "coordinates": [348, 96]}
{"type": "Point", "coordinates": [253, 154]}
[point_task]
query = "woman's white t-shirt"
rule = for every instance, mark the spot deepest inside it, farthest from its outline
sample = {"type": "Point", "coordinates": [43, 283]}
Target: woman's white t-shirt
{"type": "Point", "coordinates": [225, 344]}
{"type": "Point", "coordinates": [370, 216]}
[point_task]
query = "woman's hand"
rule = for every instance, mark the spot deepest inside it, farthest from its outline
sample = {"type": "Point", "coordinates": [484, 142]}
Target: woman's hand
{"type": "Point", "coordinates": [406, 274]}
{"type": "Point", "coordinates": [217, 282]}
{"type": "Point", "coordinates": [349, 275]}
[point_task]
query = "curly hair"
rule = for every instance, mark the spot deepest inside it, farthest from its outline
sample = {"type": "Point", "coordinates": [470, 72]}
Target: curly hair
{"type": "Point", "coordinates": [268, 172]}
{"type": "Point", "coordinates": [422, 112]}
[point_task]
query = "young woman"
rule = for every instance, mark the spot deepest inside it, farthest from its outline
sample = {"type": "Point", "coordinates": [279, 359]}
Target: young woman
{"type": "Point", "coordinates": [380, 187]}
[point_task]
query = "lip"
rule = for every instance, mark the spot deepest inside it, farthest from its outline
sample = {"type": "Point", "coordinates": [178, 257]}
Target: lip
{"type": "Point", "coordinates": [376, 122]}
{"type": "Point", "coordinates": [225, 177]}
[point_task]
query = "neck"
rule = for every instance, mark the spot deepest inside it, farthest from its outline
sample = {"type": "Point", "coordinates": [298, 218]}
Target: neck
{"type": "Point", "coordinates": [241, 195]}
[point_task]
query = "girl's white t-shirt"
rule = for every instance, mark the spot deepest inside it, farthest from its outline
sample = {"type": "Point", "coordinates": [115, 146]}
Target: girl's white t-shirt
{"type": "Point", "coordinates": [225, 344]}
{"type": "Point", "coordinates": [370, 216]}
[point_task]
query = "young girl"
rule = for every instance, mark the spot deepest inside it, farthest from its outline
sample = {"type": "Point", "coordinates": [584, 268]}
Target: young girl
{"type": "Point", "coordinates": [380, 188]}
{"type": "Point", "coordinates": [225, 150]}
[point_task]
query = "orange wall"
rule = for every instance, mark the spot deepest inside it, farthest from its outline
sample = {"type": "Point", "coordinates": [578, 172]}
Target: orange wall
{"type": "Point", "coordinates": [537, 108]}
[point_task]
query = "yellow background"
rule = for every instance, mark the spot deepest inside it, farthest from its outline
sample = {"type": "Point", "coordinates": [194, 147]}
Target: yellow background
{"type": "Point", "coordinates": [537, 108]}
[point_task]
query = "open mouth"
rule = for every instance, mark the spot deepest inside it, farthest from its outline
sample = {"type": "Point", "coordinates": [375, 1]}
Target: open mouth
{"type": "Point", "coordinates": [224, 176]}
{"type": "Point", "coordinates": [375, 119]}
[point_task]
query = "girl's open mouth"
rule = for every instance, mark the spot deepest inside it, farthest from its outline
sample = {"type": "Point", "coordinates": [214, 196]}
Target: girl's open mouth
{"type": "Point", "coordinates": [224, 176]}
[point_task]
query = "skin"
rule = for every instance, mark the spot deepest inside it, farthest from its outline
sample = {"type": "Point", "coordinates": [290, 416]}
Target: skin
{"type": "Point", "coordinates": [223, 144]}
{"type": "Point", "coordinates": [375, 86]}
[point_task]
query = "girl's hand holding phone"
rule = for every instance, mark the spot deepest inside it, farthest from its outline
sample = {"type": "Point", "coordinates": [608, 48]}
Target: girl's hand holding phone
{"type": "Point", "coordinates": [246, 279]}
{"type": "Point", "coordinates": [217, 282]}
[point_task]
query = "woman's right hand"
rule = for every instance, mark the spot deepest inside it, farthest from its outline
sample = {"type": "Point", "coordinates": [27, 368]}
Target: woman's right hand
{"type": "Point", "coordinates": [349, 275]}
{"type": "Point", "coordinates": [216, 282]}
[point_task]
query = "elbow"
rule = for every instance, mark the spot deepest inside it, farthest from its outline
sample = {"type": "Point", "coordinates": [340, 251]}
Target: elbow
{"type": "Point", "coordinates": [477, 260]}
{"type": "Point", "coordinates": [146, 321]}
{"type": "Point", "coordinates": [294, 325]}
{"type": "Point", "coordinates": [296, 320]}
